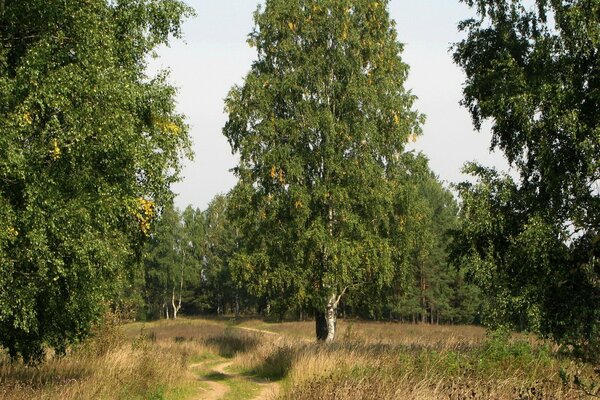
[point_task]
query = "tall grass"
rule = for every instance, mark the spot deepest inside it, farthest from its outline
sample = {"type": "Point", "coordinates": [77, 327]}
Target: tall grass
{"type": "Point", "coordinates": [369, 361]}
{"type": "Point", "coordinates": [110, 366]}
{"type": "Point", "coordinates": [424, 364]}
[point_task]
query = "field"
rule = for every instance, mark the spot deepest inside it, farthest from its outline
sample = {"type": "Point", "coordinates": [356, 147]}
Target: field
{"type": "Point", "coordinates": [251, 359]}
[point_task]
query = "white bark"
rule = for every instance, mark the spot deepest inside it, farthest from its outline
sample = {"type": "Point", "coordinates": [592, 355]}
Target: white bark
{"type": "Point", "coordinates": [331, 315]}
{"type": "Point", "coordinates": [177, 306]}
{"type": "Point", "coordinates": [175, 309]}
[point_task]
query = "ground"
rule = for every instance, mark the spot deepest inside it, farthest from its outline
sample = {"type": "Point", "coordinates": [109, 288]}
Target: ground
{"type": "Point", "coordinates": [201, 358]}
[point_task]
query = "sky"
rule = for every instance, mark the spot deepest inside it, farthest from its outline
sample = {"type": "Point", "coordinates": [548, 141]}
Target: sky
{"type": "Point", "coordinates": [214, 56]}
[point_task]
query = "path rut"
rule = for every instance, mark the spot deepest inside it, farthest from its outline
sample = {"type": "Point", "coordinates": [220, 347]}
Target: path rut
{"type": "Point", "coordinates": [218, 390]}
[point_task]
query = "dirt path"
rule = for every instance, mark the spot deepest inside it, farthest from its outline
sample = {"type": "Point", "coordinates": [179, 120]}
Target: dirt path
{"type": "Point", "coordinates": [243, 328]}
{"type": "Point", "coordinates": [215, 391]}
{"type": "Point", "coordinates": [278, 335]}
{"type": "Point", "coordinates": [268, 391]}
{"type": "Point", "coordinates": [218, 390]}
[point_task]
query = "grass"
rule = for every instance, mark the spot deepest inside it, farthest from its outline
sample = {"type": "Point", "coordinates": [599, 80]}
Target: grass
{"type": "Point", "coordinates": [396, 361]}
{"type": "Point", "coordinates": [239, 386]}
{"type": "Point", "coordinates": [116, 364]}
{"type": "Point", "coordinates": [368, 361]}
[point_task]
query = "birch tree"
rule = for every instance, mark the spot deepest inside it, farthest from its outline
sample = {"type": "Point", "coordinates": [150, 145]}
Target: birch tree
{"type": "Point", "coordinates": [319, 124]}
{"type": "Point", "coordinates": [89, 145]}
{"type": "Point", "coordinates": [533, 243]}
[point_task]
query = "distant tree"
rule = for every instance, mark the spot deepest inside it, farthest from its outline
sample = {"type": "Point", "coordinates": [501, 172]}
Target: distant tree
{"type": "Point", "coordinates": [533, 245]}
{"type": "Point", "coordinates": [220, 244]}
{"type": "Point", "coordinates": [172, 261]}
{"type": "Point", "coordinates": [88, 148]}
{"type": "Point", "coordinates": [319, 124]}
{"type": "Point", "coordinates": [425, 287]}
{"type": "Point", "coordinates": [194, 236]}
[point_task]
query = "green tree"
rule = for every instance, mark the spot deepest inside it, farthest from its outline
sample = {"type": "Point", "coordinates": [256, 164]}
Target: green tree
{"type": "Point", "coordinates": [319, 125]}
{"type": "Point", "coordinates": [533, 244]}
{"type": "Point", "coordinates": [172, 263]}
{"type": "Point", "coordinates": [219, 247]}
{"type": "Point", "coordinates": [194, 235]}
{"type": "Point", "coordinates": [88, 148]}
{"type": "Point", "coordinates": [424, 288]}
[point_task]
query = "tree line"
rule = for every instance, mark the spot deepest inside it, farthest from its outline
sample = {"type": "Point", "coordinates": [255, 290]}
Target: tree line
{"type": "Point", "coordinates": [190, 265]}
{"type": "Point", "coordinates": [331, 214]}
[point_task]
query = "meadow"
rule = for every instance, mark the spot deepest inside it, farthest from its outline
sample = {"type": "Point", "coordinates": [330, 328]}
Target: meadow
{"type": "Point", "coordinates": [252, 359]}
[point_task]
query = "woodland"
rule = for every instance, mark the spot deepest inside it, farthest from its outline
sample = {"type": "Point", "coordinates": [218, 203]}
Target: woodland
{"type": "Point", "coordinates": [332, 218]}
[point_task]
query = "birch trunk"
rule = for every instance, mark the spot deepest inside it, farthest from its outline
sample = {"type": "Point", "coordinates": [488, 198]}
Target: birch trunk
{"type": "Point", "coordinates": [331, 315]}
{"type": "Point", "coordinates": [175, 307]}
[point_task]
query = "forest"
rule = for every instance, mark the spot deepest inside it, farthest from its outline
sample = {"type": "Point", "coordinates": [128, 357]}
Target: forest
{"type": "Point", "coordinates": [339, 265]}
{"type": "Point", "coordinates": [189, 265]}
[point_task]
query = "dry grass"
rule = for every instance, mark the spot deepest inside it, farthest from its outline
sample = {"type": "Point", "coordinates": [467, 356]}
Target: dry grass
{"type": "Point", "coordinates": [393, 361]}
{"type": "Point", "coordinates": [111, 366]}
{"type": "Point", "coordinates": [413, 335]}
{"type": "Point", "coordinates": [369, 361]}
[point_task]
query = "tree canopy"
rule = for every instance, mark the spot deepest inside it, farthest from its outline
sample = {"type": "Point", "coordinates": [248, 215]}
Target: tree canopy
{"type": "Point", "coordinates": [319, 124]}
{"type": "Point", "coordinates": [534, 244]}
{"type": "Point", "coordinates": [88, 149]}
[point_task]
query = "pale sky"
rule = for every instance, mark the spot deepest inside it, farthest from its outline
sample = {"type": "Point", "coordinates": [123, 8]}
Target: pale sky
{"type": "Point", "coordinates": [215, 56]}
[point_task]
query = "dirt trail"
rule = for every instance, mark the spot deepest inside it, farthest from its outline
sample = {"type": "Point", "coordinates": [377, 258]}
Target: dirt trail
{"type": "Point", "coordinates": [258, 331]}
{"type": "Point", "coordinates": [268, 391]}
{"type": "Point", "coordinates": [218, 390]}
{"type": "Point", "coordinates": [215, 391]}
{"type": "Point", "coordinates": [278, 335]}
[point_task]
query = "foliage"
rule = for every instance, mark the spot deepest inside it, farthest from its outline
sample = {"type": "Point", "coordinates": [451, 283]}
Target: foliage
{"type": "Point", "coordinates": [219, 247]}
{"type": "Point", "coordinates": [89, 146]}
{"type": "Point", "coordinates": [171, 260]}
{"type": "Point", "coordinates": [319, 125]}
{"type": "Point", "coordinates": [190, 252]}
{"type": "Point", "coordinates": [424, 287]}
{"type": "Point", "coordinates": [533, 244]}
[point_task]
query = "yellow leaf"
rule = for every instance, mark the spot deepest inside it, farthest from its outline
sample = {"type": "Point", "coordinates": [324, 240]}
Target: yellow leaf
{"type": "Point", "coordinates": [27, 119]}
{"type": "Point", "coordinates": [172, 128]}
{"type": "Point", "coordinates": [144, 214]}
{"type": "Point", "coordinates": [273, 172]}
{"type": "Point", "coordinates": [292, 26]}
{"type": "Point", "coordinates": [166, 126]}
{"type": "Point", "coordinates": [55, 152]}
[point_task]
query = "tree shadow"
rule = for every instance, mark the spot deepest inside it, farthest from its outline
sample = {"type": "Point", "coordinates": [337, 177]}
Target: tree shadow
{"type": "Point", "coordinates": [214, 376]}
{"type": "Point", "coordinates": [230, 344]}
